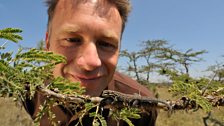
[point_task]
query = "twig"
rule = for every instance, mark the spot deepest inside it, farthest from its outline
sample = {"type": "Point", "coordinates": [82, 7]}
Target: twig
{"type": "Point", "coordinates": [206, 87]}
{"type": "Point", "coordinates": [78, 99]}
{"type": "Point", "coordinates": [117, 99]}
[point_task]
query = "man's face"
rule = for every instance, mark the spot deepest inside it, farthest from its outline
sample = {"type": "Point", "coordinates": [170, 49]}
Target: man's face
{"type": "Point", "coordinates": [89, 37]}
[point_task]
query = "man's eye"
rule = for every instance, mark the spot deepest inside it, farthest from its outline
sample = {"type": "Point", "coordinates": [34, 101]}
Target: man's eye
{"type": "Point", "coordinates": [74, 40]}
{"type": "Point", "coordinates": [107, 46]}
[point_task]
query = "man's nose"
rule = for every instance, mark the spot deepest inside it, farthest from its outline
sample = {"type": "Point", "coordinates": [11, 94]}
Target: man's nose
{"type": "Point", "coordinates": [89, 58]}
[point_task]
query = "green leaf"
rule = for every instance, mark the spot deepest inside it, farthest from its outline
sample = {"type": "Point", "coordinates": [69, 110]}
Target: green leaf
{"type": "Point", "coordinates": [11, 34]}
{"type": "Point", "coordinates": [3, 67]}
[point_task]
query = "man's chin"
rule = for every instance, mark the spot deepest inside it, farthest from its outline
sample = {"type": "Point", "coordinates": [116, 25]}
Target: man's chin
{"type": "Point", "coordinates": [93, 90]}
{"type": "Point", "coordinates": [93, 93]}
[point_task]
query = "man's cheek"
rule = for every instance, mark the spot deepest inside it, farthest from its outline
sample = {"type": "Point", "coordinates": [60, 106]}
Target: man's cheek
{"type": "Point", "coordinates": [112, 61]}
{"type": "Point", "coordinates": [58, 70]}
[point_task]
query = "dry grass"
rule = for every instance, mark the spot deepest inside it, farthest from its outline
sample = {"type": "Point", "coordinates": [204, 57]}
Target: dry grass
{"type": "Point", "coordinates": [13, 115]}
{"type": "Point", "coordinates": [184, 118]}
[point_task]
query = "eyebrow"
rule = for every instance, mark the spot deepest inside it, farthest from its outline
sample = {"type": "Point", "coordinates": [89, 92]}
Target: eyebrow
{"type": "Point", "coordinates": [68, 28]}
{"type": "Point", "coordinates": [108, 34]}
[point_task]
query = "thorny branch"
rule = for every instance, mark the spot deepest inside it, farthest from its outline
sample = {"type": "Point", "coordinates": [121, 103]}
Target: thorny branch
{"type": "Point", "coordinates": [120, 100]}
{"type": "Point", "coordinates": [69, 98]}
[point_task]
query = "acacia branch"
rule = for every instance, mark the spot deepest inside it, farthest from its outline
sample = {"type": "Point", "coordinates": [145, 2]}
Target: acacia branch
{"type": "Point", "coordinates": [120, 100]}
{"type": "Point", "coordinates": [78, 99]}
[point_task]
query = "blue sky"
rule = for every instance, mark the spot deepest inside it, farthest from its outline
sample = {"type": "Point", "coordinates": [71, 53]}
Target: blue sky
{"type": "Point", "coordinates": [197, 24]}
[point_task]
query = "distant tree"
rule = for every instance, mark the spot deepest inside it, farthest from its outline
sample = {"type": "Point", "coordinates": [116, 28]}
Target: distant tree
{"type": "Point", "coordinates": [182, 59]}
{"type": "Point", "coordinates": [132, 63]}
{"type": "Point", "coordinates": [147, 56]}
{"type": "Point", "coordinates": [217, 71]}
{"type": "Point", "coordinates": [150, 50]}
{"type": "Point", "coordinates": [40, 45]}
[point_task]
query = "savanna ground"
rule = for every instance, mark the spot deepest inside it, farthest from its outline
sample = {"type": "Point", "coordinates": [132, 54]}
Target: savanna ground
{"type": "Point", "coordinates": [13, 115]}
{"type": "Point", "coordinates": [185, 118]}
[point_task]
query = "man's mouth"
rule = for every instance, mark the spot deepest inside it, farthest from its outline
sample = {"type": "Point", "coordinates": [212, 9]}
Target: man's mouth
{"type": "Point", "coordinates": [86, 79]}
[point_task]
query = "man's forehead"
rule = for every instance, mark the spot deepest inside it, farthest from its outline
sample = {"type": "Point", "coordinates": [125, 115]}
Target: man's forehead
{"type": "Point", "coordinates": [103, 8]}
{"type": "Point", "coordinates": [68, 8]}
{"type": "Point", "coordinates": [77, 2]}
{"type": "Point", "coordinates": [93, 1]}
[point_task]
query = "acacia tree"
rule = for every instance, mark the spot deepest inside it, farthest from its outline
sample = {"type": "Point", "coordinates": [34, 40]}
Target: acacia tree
{"type": "Point", "coordinates": [133, 58]}
{"type": "Point", "coordinates": [150, 50]}
{"type": "Point", "coordinates": [182, 59]}
{"type": "Point", "coordinates": [147, 56]}
{"type": "Point", "coordinates": [40, 45]}
{"type": "Point", "coordinates": [217, 71]}
{"type": "Point", "coordinates": [158, 54]}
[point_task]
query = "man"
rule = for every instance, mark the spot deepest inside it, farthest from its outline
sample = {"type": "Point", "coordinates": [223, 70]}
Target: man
{"type": "Point", "coordinates": [88, 33]}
